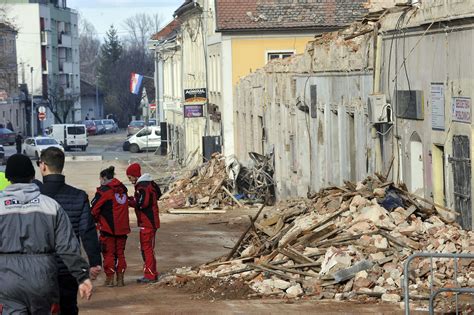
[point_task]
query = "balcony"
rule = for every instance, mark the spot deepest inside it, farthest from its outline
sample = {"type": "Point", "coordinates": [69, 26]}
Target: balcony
{"type": "Point", "coordinates": [64, 40]}
{"type": "Point", "coordinates": [65, 67]}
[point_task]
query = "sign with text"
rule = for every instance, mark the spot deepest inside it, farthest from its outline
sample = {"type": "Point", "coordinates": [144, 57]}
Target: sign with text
{"type": "Point", "coordinates": [462, 109]}
{"type": "Point", "coordinates": [193, 111]}
{"type": "Point", "coordinates": [437, 106]}
{"type": "Point", "coordinates": [195, 96]}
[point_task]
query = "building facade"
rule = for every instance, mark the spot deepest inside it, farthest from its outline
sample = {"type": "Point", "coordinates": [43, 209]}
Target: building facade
{"type": "Point", "coordinates": [48, 56]}
{"type": "Point", "coordinates": [92, 101]}
{"type": "Point", "coordinates": [12, 101]}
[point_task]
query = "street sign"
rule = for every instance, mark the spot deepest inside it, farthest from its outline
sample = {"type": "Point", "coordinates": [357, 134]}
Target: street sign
{"type": "Point", "coordinates": [42, 109]}
{"type": "Point", "coordinates": [42, 116]}
{"type": "Point", "coordinates": [153, 106]}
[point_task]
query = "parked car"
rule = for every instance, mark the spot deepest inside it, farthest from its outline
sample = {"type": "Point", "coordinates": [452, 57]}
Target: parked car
{"type": "Point", "coordinates": [148, 138]}
{"type": "Point", "coordinates": [110, 125]}
{"type": "Point", "coordinates": [100, 127]}
{"type": "Point", "coordinates": [90, 127]}
{"type": "Point", "coordinates": [2, 155]}
{"type": "Point", "coordinates": [136, 125]}
{"type": "Point", "coordinates": [33, 146]}
{"type": "Point", "coordinates": [7, 136]}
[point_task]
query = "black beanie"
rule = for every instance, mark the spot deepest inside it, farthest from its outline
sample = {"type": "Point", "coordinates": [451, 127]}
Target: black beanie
{"type": "Point", "coordinates": [19, 166]}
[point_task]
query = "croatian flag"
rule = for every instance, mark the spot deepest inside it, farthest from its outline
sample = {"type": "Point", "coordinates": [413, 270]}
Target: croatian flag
{"type": "Point", "coordinates": [135, 83]}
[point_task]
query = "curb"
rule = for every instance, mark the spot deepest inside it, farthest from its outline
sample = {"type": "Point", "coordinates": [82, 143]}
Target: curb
{"type": "Point", "coordinates": [84, 158]}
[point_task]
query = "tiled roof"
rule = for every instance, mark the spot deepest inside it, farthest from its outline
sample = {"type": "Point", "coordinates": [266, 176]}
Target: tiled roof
{"type": "Point", "coordinates": [234, 15]}
{"type": "Point", "coordinates": [167, 30]}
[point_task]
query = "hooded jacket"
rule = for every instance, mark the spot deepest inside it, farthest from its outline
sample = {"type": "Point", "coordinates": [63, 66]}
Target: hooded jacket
{"type": "Point", "coordinates": [110, 208]}
{"type": "Point", "coordinates": [75, 203]}
{"type": "Point", "coordinates": [33, 228]}
{"type": "Point", "coordinates": [145, 202]}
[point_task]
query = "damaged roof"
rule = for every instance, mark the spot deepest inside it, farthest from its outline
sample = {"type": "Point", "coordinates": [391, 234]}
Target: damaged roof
{"type": "Point", "coordinates": [247, 15]}
{"type": "Point", "coordinates": [168, 30]}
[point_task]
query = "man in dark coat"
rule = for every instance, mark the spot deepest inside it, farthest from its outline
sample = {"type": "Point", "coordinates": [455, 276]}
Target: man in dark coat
{"type": "Point", "coordinates": [10, 125]}
{"type": "Point", "coordinates": [33, 228]}
{"type": "Point", "coordinates": [75, 203]}
{"type": "Point", "coordinates": [18, 142]}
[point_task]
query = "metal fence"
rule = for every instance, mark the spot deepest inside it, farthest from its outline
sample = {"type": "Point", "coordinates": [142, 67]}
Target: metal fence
{"type": "Point", "coordinates": [435, 293]}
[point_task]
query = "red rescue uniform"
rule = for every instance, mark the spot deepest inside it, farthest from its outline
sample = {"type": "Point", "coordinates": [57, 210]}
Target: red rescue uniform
{"type": "Point", "coordinates": [145, 202]}
{"type": "Point", "coordinates": [110, 211]}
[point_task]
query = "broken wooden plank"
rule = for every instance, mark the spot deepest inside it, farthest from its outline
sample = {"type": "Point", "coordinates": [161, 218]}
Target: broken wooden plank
{"type": "Point", "coordinates": [288, 270]}
{"type": "Point", "coordinates": [232, 196]}
{"type": "Point", "coordinates": [237, 245]}
{"type": "Point", "coordinates": [275, 272]}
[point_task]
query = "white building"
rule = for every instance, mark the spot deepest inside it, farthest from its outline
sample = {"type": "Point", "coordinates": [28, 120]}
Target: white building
{"type": "Point", "coordinates": [48, 55]}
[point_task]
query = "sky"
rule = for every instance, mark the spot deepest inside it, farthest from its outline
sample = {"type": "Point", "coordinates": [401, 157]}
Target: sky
{"type": "Point", "coordinates": [103, 13]}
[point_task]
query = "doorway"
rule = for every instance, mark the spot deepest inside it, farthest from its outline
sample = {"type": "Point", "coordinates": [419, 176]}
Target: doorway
{"type": "Point", "coordinates": [439, 193]}
{"type": "Point", "coordinates": [417, 182]}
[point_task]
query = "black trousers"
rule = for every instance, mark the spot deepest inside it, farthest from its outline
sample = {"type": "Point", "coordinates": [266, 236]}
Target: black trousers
{"type": "Point", "coordinates": [68, 289]}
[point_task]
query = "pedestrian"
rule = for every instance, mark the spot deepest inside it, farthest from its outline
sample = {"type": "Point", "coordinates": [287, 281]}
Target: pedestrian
{"type": "Point", "coordinates": [33, 228]}
{"type": "Point", "coordinates": [10, 125]}
{"type": "Point", "coordinates": [18, 142]}
{"type": "Point", "coordinates": [75, 203]}
{"type": "Point", "coordinates": [110, 211]}
{"type": "Point", "coordinates": [145, 202]}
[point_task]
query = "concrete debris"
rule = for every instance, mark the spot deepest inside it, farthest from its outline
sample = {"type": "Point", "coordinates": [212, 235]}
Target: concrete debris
{"type": "Point", "coordinates": [221, 183]}
{"type": "Point", "coordinates": [350, 249]}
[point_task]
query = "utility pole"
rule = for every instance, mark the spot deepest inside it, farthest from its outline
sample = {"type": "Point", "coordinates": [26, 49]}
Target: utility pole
{"type": "Point", "coordinates": [32, 105]}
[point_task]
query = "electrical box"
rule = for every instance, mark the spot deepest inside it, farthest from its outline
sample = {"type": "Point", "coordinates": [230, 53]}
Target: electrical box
{"type": "Point", "coordinates": [379, 110]}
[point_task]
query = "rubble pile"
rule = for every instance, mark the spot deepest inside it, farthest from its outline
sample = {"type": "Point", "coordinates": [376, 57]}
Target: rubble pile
{"type": "Point", "coordinates": [201, 187]}
{"type": "Point", "coordinates": [347, 242]}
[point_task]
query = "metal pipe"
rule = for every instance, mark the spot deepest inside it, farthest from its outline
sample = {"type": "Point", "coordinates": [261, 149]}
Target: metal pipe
{"type": "Point", "coordinates": [406, 278]}
{"type": "Point", "coordinates": [444, 290]}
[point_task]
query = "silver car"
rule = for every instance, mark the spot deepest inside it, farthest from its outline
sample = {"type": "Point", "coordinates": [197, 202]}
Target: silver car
{"type": "Point", "coordinates": [110, 125]}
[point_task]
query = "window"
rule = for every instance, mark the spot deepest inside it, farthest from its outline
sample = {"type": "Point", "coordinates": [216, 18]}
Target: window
{"type": "Point", "coordinates": [279, 55]}
{"type": "Point", "coordinates": [158, 132]}
{"type": "Point", "coordinates": [76, 130]}
{"type": "Point", "coordinates": [144, 132]}
{"type": "Point", "coordinates": [46, 142]}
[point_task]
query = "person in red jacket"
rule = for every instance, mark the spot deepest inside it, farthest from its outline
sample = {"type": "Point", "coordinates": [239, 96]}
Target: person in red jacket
{"type": "Point", "coordinates": [145, 202]}
{"type": "Point", "coordinates": [110, 211]}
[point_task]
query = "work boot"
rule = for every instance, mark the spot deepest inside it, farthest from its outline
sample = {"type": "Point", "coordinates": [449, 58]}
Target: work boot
{"type": "Point", "coordinates": [120, 282]}
{"type": "Point", "coordinates": [109, 281]}
{"type": "Point", "coordinates": [145, 280]}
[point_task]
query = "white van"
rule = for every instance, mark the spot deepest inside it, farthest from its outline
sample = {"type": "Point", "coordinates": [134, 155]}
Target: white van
{"type": "Point", "coordinates": [70, 135]}
{"type": "Point", "coordinates": [146, 139]}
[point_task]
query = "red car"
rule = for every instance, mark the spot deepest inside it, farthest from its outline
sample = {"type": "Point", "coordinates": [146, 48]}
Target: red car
{"type": "Point", "coordinates": [91, 127]}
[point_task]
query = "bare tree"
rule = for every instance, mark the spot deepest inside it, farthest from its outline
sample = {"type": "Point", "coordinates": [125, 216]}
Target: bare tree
{"type": "Point", "coordinates": [89, 45]}
{"type": "Point", "coordinates": [141, 27]}
{"type": "Point", "coordinates": [61, 104]}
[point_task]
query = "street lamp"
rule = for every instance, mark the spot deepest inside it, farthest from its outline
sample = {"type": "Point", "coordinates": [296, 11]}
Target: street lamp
{"type": "Point", "coordinates": [97, 94]}
{"type": "Point", "coordinates": [32, 105]}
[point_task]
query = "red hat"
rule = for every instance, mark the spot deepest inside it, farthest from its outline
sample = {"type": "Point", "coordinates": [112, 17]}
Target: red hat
{"type": "Point", "coordinates": [134, 170]}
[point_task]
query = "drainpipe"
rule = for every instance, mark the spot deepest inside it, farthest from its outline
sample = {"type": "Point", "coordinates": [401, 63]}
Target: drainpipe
{"type": "Point", "coordinates": [376, 90]}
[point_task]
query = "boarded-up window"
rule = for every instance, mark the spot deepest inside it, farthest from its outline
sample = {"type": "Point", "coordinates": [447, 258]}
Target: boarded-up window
{"type": "Point", "coordinates": [409, 104]}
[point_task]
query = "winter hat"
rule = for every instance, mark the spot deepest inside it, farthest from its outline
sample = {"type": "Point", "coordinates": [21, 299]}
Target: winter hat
{"type": "Point", "coordinates": [134, 170]}
{"type": "Point", "coordinates": [19, 166]}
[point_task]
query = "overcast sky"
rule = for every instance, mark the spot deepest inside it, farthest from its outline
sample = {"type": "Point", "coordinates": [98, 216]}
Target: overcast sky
{"type": "Point", "coordinates": [103, 13]}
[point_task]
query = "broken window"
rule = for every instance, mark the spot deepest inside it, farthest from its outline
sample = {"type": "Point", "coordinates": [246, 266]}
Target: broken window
{"type": "Point", "coordinates": [279, 55]}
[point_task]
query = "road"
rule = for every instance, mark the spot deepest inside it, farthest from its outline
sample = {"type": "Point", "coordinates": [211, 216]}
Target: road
{"type": "Point", "coordinates": [182, 240]}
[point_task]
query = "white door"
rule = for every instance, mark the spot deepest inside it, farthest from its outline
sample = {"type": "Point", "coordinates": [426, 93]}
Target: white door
{"type": "Point", "coordinates": [416, 167]}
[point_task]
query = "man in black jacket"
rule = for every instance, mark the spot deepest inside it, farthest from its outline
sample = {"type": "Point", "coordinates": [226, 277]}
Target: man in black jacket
{"type": "Point", "coordinates": [75, 203]}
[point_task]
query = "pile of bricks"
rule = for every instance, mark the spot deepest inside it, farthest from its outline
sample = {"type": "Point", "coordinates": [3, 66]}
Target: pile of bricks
{"type": "Point", "coordinates": [347, 243]}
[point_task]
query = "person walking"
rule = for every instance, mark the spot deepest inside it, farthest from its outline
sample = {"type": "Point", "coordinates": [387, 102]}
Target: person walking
{"type": "Point", "coordinates": [75, 203]}
{"type": "Point", "coordinates": [10, 125]}
{"type": "Point", "coordinates": [33, 228]}
{"type": "Point", "coordinates": [145, 202]}
{"type": "Point", "coordinates": [18, 142]}
{"type": "Point", "coordinates": [110, 211]}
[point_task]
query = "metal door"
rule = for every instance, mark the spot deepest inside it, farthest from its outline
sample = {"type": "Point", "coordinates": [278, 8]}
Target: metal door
{"type": "Point", "coordinates": [461, 161]}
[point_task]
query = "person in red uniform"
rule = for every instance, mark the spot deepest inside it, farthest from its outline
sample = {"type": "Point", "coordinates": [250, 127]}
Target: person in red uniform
{"type": "Point", "coordinates": [145, 202]}
{"type": "Point", "coordinates": [110, 211]}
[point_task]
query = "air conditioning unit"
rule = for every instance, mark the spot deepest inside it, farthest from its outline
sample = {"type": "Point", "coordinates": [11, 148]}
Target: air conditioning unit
{"type": "Point", "coordinates": [380, 112]}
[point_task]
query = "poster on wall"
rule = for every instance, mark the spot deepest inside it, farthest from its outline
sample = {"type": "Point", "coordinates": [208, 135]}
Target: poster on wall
{"type": "Point", "coordinates": [193, 111]}
{"type": "Point", "coordinates": [195, 96]}
{"type": "Point", "coordinates": [437, 106]}
{"type": "Point", "coordinates": [462, 109]}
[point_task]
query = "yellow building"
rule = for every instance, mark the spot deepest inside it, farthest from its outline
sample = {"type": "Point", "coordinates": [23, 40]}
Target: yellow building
{"type": "Point", "coordinates": [248, 34]}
